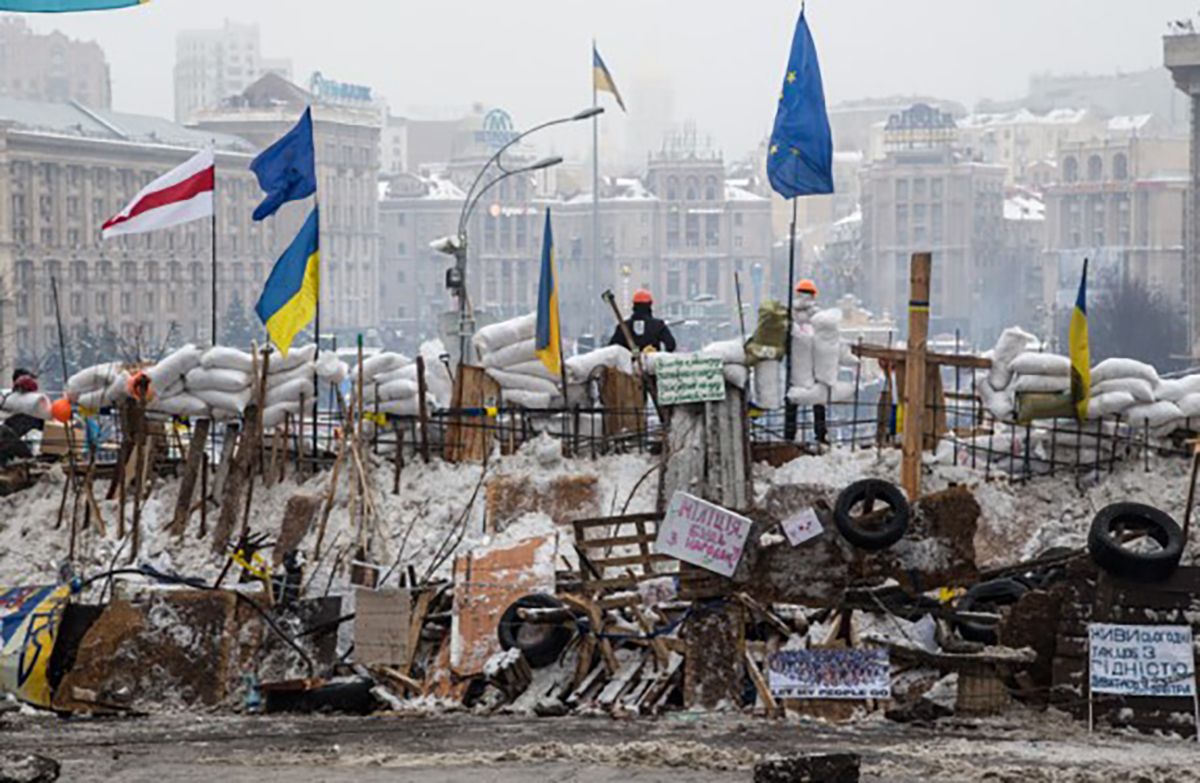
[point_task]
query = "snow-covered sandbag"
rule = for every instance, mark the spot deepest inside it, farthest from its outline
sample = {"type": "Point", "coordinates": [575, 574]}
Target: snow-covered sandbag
{"type": "Point", "coordinates": [230, 402]}
{"type": "Point", "coordinates": [802, 358]}
{"type": "Point", "coordinates": [383, 362]}
{"type": "Point", "coordinates": [32, 404]}
{"type": "Point", "coordinates": [1142, 390]}
{"type": "Point", "coordinates": [512, 380]}
{"type": "Point", "coordinates": [736, 374]}
{"type": "Point", "coordinates": [295, 357]}
{"type": "Point", "coordinates": [292, 391]}
{"type": "Point", "coordinates": [216, 379]}
{"type": "Point", "coordinates": [1154, 414]}
{"type": "Point", "coordinates": [184, 405]}
{"type": "Point", "coordinates": [536, 369]}
{"type": "Point", "coordinates": [1189, 406]}
{"type": "Point", "coordinates": [1111, 369]}
{"type": "Point", "coordinates": [393, 390]}
{"type": "Point", "coordinates": [827, 355]}
{"type": "Point", "coordinates": [768, 384]}
{"type": "Point", "coordinates": [616, 357]}
{"type": "Point", "coordinates": [274, 415]}
{"type": "Point", "coordinates": [842, 391]}
{"type": "Point", "coordinates": [225, 358]}
{"type": "Point", "coordinates": [93, 400]}
{"type": "Point", "coordinates": [437, 376]}
{"type": "Point", "coordinates": [512, 354]}
{"type": "Point", "coordinates": [301, 372]}
{"type": "Point", "coordinates": [495, 336]}
{"type": "Point", "coordinates": [330, 369]}
{"type": "Point", "coordinates": [1013, 342]}
{"type": "Point", "coordinates": [1041, 383]}
{"type": "Point", "coordinates": [817, 394]}
{"type": "Point", "coordinates": [174, 366]}
{"type": "Point", "coordinates": [118, 390]}
{"type": "Point", "coordinates": [534, 400]}
{"type": "Point", "coordinates": [1175, 389]}
{"type": "Point", "coordinates": [1031, 363]}
{"type": "Point", "coordinates": [827, 323]}
{"type": "Point", "coordinates": [1110, 404]}
{"type": "Point", "coordinates": [92, 378]}
{"type": "Point", "coordinates": [728, 351]}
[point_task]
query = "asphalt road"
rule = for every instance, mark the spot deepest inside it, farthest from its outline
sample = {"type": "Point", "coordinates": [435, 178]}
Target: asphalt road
{"type": "Point", "coordinates": [449, 748]}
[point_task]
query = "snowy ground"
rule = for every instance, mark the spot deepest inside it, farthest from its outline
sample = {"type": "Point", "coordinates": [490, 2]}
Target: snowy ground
{"type": "Point", "coordinates": [681, 747]}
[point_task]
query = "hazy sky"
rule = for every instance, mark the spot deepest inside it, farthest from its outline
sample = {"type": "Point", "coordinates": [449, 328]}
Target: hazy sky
{"type": "Point", "coordinates": [723, 58]}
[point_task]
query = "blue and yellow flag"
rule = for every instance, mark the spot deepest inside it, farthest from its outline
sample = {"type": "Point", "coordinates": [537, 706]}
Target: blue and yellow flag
{"type": "Point", "coordinates": [800, 158]}
{"type": "Point", "coordinates": [602, 80]}
{"type": "Point", "coordinates": [289, 298]}
{"type": "Point", "coordinates": [65, 6]}
{"type": "Point", "coordinates": [1081, 360]}
{"type": "Point", "coordinates": [287, 170]}
{"type": "Point", "coordinates": [549, 333]}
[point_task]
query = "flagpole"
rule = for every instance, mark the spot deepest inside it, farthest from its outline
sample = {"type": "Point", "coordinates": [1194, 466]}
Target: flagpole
{"type": "Point", "coordinates": [789, 410]}
{"type": "Point", "coordinates": [214, 250]}
{"type": "Point", "coordinates": [595, 203]}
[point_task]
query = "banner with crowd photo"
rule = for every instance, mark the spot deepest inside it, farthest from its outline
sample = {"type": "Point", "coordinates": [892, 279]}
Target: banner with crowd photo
{"type": "Point", "coordinates": [830, 674]}
{"type": "Point", "coordinates": [29, 623]}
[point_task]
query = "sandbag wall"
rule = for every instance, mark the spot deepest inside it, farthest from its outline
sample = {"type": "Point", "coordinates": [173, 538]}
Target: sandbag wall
{"type": "Point", "coordinates": [818, 356]}
{"type": "Point", "coordinates": [391, 386]}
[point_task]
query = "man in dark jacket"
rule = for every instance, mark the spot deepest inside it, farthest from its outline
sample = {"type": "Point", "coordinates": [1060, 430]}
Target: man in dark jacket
{"type": "Point", "coordinates": [14, 429]}
{"type": "Point", "coordinates": [648, 332]}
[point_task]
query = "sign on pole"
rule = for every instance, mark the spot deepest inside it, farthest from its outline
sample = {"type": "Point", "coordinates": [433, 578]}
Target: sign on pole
{"type": "Point", "coordinates": [830, 674]}
{"type": "Point", "coordinates": [702, 534]}
{"type": "Point", "coordinates": [1142, 660]}
{"type": "Point", "coordinates": [687, 379]}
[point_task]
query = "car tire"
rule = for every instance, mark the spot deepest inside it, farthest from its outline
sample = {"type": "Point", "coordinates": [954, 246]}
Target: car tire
{"type": "Point", "coordinates": [987, 595]}
{"type": "Point", "coordinates": [540, 643]}
{"type": "Point", "coordinates": [879, 535]}
{"type": "Point", "coordinates": [1109, 552]}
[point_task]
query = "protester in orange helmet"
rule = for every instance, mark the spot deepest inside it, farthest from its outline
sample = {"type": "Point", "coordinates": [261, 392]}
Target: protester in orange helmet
{"type": "Point", "coordinates": [649, 333]}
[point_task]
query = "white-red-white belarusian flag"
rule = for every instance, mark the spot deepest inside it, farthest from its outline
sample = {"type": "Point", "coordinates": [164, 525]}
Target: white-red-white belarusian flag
{"type": "Point", "coordinates": [183, 194]}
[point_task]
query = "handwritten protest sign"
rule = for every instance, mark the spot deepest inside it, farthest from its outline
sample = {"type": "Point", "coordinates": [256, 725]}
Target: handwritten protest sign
{"type": "Point", "coordinates": [802, 526]}
{"type": "Point", "coordinates": [684, 379]}
{"type": "Point", "coordinates": [702, 534]}
{"type": "Point", "coordinates": [830, 674]}
{"type": "Point", "coordinates": [1141, 660]}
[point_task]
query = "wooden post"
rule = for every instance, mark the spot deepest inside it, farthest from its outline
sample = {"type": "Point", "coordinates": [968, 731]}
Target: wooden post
{"type": "Point", "coordinates": [422, 411]}
{"type": "Point", "coordinates": [187, 486]}
{"type": "Point", "coordinates": [914, 375]}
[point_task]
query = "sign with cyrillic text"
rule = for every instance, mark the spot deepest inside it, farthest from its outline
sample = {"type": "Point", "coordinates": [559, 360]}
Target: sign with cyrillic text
{"type": "Point", "coordinates": [687, 379]}
{"type": "Point", "coordinates": [702, 534]}
{"type": "Point", "coordinates": [1141, 660]}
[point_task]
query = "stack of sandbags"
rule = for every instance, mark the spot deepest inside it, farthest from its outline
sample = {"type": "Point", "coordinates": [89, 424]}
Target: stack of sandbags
{"type": "Point", "coordinates": [732, 354]}
{"type": "Point", "coordinates": [97, 387]}
{"type": "Point", "coordinates": [390, 385]}
{"type": "Point", "coordinates": [1130, 388]}
{"type": "Point", "coordinates": [586, 366]}
{"type": "Point", "coordinates": [1184, 392]}
{"type": "Point", "coordinates": [168, 385]}
{"type": "Point", "coordinates": [33, 404]}
{"type": "Point", "coordinates": [1040, 373]}
{"type": "Point", "coordinates": [508, 353]}
{"type": "Point", "coordinates": [289, 387]}
{"type": "Point", "coordinates": [223, 381]}
{"type": "Point", "coordinates": [818, 355]}
{"type": "Point", "coordinates": [994, 385]}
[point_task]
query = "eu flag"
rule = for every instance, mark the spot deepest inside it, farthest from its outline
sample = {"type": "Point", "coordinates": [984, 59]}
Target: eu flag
{"type": "Point", "coordinates": [548, 345]}
{"type": "Point", "coordinates": [65, 6]}
{"type": "Point", "coordinates": [800, 158]}
{"type": "Point", "coordinates": [287, 170]}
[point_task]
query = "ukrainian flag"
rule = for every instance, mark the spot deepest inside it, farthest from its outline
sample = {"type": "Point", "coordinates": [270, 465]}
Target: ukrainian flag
{"type": "Point", "coordinates": [602, 80]}
{"type": "Point", "coordinates": [65, 6]}
{"type": "Point", "coordinates": [1077, 339]}
{"type": "Point", "coordinates": [289, 298]}
{"type": "Point", "coordinates": [549, 332]}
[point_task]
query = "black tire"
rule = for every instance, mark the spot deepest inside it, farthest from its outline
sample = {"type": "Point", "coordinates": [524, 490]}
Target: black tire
{"type": "Point", "coordinates": [1108, 552]}
{"type": "Point", "coordinates": [540, 643]}
{"type": "Point", "coordinates": [987, 596]}
{"type": "Point", "coordinates": [876, 534]}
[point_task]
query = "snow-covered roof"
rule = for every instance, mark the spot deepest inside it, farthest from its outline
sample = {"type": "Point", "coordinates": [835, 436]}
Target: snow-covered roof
{"type": "Point", "coordinates": [1130, 122]}
{"type": "Point", "coordinates": [631, 189]}
{"type": "Point", "coordinates": [440, 188]}
{"type": "Point", "coordinates": [1024, 117]}
{"type": "Point", "coordinates": [854, 217]}
{"type": "Point", "coordinates": [848, 156]}
{"type": "Point", "coordinates": [737, 190]}
{"type": "Point", "coordinates": [1024, 208]}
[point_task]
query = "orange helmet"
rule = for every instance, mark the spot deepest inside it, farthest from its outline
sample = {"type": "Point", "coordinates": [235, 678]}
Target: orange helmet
{"type": "Point", "coordinates": [806, 286]}
{"type": "Point", "coordinates": [643, 296]}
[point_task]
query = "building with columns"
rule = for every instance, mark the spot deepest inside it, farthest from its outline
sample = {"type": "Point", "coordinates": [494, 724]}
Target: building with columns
{"type": "Point", "coordinates": [67, 169]}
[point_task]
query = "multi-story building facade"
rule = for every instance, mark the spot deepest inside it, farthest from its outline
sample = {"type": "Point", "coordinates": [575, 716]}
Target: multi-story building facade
{"type": "Point", "coordinates": [1018, 139]}
{"type": "Point", "coordinates": [51, 67]}
{"type": "Point", "coordinates": [66, 170]}
{"type": "Point", "coordinates": [926, 196]}
{"type": "Point", "coordinates": [347, 150]}
{"type": "Point", "coordinates": [1119, 202]}
{"type": "Point", "coordinates": [211, 65]}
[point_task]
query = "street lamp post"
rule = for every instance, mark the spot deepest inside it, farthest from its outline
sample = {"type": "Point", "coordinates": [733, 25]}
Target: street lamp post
{"type": "Point", "coordinates": [456, 276]}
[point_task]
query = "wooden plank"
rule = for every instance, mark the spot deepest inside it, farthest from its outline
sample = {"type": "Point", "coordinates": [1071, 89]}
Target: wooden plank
{"type": "Point", "coordinates": [613, 521]}
{"type": "Point", "coordinates": [623, 400]}
{"type": "Point", "coordinates": [620, 682]}
{"type": "Point", "coordinates": [468, 439]}
{"type": "Point", "coordinates": [612, 541]}
{"type": "Point", "coordinates": [381, 627]}
{"type": "Point", "coordinates": [641, 559]}
{"type": "Point", "coordinates": [914, 376]}
{"type": "Point", "coordinates": [187, 486]}
{"type": "Point", "coordinates": [879, 352]}
{"type": "Point", "coordinates": [760, 685]}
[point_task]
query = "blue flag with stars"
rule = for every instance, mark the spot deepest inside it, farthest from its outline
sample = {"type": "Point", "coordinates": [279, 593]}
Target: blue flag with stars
{"type": "Point", "coordinates": [800, 157]}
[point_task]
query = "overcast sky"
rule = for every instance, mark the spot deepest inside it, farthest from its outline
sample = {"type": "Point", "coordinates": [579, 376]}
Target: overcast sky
{"type": "Point", "coordinates": [723, 58]}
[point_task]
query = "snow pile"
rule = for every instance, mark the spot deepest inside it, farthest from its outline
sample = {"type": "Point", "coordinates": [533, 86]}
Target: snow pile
{"type": "Point", "coordinates": [818, 354]}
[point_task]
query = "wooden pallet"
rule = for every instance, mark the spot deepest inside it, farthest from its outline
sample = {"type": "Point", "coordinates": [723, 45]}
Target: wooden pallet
{"type": "Point", "coordinates": [604, 570]}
